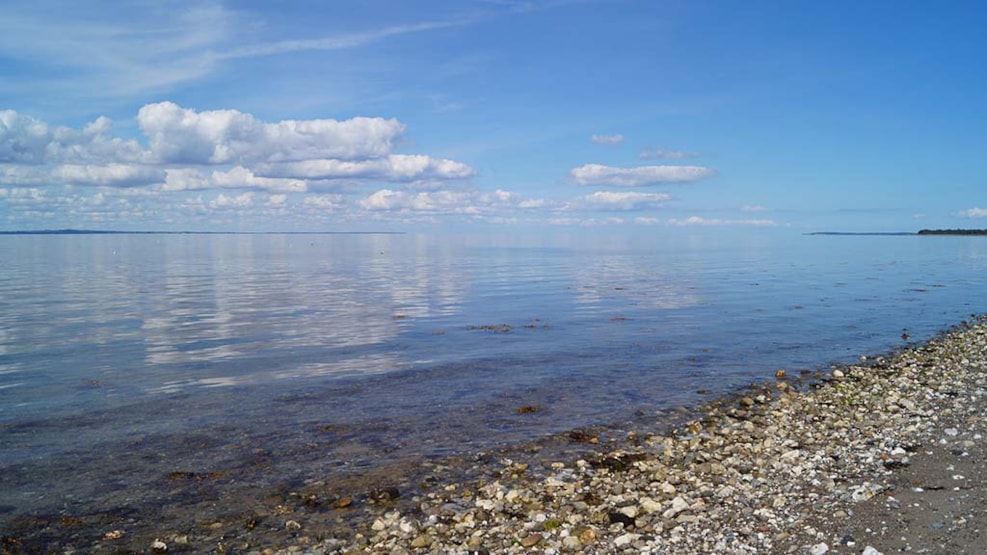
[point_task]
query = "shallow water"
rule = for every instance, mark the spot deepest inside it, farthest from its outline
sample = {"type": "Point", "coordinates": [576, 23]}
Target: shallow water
{"type": "Point", "coordinates": [127, 358]}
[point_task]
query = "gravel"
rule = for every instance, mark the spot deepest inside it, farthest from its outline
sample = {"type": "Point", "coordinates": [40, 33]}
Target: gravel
{"type": "Point", "coordinates": [818, 469]}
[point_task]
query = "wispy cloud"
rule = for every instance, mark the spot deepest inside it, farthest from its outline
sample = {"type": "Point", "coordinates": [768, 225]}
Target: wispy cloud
{"type": "Point", "coordinates": [662, 154]}
{"type": "Point", "coordinates": [700, 221]}
{"type": "Point", "coordinates": [974, 213]}
{"type": "Point", "coordinates": [112, 48]}
{"type": "Point", "coordinates": [624, 200]}
{"type": "Point", "coordinates": [608, 139]}
{"type": "Point", "coordinates": [752, 208]}
{"type": "Point", "coordinates": [342, 41]}
{"type": "Point", "coordinates": [597, 174]}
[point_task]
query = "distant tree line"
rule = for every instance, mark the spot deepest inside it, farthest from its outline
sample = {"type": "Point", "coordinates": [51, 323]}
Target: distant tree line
{"type": "Point", "coordinates": [953, 232]}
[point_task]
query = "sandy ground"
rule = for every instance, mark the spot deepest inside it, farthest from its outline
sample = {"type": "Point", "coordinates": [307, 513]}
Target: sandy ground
{"type": "Point", "coordinates": [936, 505]}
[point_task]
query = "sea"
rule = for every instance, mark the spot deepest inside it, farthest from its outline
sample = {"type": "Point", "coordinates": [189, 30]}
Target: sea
{"type": "Point", "coordinates": [129, 359]}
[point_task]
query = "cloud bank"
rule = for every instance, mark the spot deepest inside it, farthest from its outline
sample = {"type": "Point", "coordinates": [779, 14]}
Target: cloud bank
{"type": "Point", "coordinates": [228, 167]}
{"type": "Point", "coordinates": [181, 143]}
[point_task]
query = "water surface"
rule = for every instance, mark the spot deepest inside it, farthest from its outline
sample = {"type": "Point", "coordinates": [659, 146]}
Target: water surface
{"type": "Point", "coordinates": [124, 358]}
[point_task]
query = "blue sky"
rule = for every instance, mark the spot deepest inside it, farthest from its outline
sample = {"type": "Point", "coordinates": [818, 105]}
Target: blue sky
{"type": "Point", "coordinates": [489, 114]}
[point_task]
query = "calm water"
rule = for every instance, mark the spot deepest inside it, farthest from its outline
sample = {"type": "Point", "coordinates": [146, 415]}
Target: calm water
{"type": "Point", "coordinates": [125, 357]}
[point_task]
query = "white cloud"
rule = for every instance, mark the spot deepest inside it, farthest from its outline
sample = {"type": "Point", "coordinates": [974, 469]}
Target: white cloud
{"type": "Point", "coordinates": [752, 208]}
{"type": "Point", "coordinates": [596, 174]}
{"type": "Point", "coordinates": [246, 200]}
{"type": "Point", "coordinates": [189, 179]}
{"type": "Point", "coordinates": [22, 138]}
{"type": "Point", "coordinates": [447, 202]}
{"type": "Point", "coordinates": [697, 220]}
{"type": "Point", "coordinates": [662, 154]}
{"type": "Point", "coordinates": [26, 140]}
{"type": "Point", "coordinates": [608, 139]}
{"type": "Point", "coordinates": [974, 213]}
{"type": "Point", "coordinates": [22, 194]}
{"type": "Point", "coordinates": [586, 222]}
{"type": "Point", "coordinates": [288, 156]}
{"type": "Point", "coordinates": [241, 178]}
{"type": "Point", "coordinates": [109, 175]}
{"type": "Point", "coordinates": [185, 179]}
{"type": "Point", "coordinates": [324, 202]}
{"type": "Point", "coordinates": [19, 175]}
{"type": "Point", "coordinates": [104, 49]}
{"type": "Point", "coordinates": [607, 200]}
{"type": "Point", "coordinates": [385, 199]}
{"type": "Point", "coordinates": [340, 42]}
{"type": "Point", "coordinates": [396, 167]}
{"type": "Point", "coordinates": [182, 135]}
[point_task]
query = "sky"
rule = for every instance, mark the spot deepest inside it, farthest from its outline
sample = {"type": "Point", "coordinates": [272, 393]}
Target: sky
{"type": "Point", "coordinates": [428, 115]}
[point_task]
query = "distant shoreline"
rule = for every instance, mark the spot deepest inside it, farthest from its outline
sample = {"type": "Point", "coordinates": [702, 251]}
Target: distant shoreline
{"type": "Point", "coordinates": [953, 232]}
{"type": "Point", "coordinates": [965, 232]}
{"type": "Point", "coordinates": [117, 232]}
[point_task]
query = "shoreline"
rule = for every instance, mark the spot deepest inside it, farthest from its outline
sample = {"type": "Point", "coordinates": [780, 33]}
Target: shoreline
{"type": "Point", "coordinates": [783, 471]}
{"type": "Point", "coordinates": [784, 468]}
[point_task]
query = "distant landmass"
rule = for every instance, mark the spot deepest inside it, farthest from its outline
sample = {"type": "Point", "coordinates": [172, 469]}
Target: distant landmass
{"type": "Point", "coordinates": [953, 232]}
{"type": "Point", "coordinates": [862, 233]}
{"type": "Point", "coordinates": [920, 232]}
{"type": "Point", "coordinates": [118, 232]}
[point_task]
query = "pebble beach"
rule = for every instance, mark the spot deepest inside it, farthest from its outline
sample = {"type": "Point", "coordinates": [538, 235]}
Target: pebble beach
{"type": "Point", "coordinates": [880, 457]}
{"type": "Point", "coordinates": [884, 456]}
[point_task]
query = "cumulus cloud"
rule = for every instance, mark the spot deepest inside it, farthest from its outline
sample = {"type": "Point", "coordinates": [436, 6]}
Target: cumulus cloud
{"type": "Point", "coordinates": [662, 154]}
{"type": "Point", "coordinates": [607, 200]}
{"type": "Point", "coordinates": [247, 153]}
{"type": "Point", "coordinates": [608, 139]}
{"type": "Point", "coordinates": [596, 174]}
{"type": "Point", "coordinates": [182, 135]}
{"type": "Point", "coordinates": [23, 139]}
{"type": "Point", "coordinates": [245, 200]}
{"type": "Point", "coordinates": [974, 213]}
{"type": "Point", "coordinates": [697, 220]}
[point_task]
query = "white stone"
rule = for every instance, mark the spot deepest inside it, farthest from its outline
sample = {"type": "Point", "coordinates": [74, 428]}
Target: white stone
{"type": "Point", "coordinates": [625, 539]}
{"type": "Point", "coordinates": [678, 505]}
{"type": "Point", "coordinates": [649, 505]}
{"type": "Point", "coordinates": [819, 549]}
{"type": "Point", "coordinates": [571, 542]}
{"type": "Point", "coordinates": [630, 511]}
{"type": "Point", "coordinates": [871, 551]}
